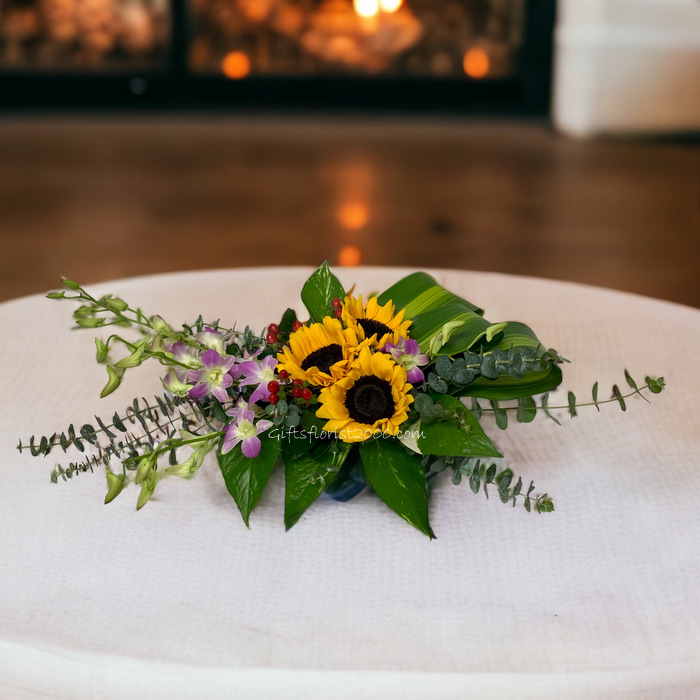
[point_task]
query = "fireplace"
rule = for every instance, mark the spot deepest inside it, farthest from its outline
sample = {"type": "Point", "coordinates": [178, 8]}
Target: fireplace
{"type": "Point", "coordinates": [488, 56]}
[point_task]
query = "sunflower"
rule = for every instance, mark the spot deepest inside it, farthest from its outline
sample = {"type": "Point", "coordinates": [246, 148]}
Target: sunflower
{"type": "Point", "coordinates": [320, 353]}
{"type": "Point", "coordinates": [375, 320]}
{"type": "Point", "coordinates": [371, 399]}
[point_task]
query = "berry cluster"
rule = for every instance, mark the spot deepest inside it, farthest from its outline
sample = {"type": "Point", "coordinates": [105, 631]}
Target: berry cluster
{"type": "Point", "coordinates": [337, 307]}
{"type": "Point", "coordinates": [297, 387]}
{"type": "Point", "coordinates": [274, 335]}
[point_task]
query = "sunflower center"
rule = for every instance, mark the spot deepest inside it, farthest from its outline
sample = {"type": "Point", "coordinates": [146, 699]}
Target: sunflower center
{"type": "Point", "coordinates": [370, 327]}
{"type": "Point", "coordinates": [369, 400]}
{"type": "Point", "coordinates": [323, 358]}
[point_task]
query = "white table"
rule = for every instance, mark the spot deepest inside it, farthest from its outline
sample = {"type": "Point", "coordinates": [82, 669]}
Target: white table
{"type": "Point", "coordinates": [599, 599]}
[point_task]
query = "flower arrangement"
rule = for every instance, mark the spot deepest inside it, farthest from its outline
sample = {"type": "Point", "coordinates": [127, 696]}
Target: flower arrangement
{"type": "Point", "coordinates": [386, 393]}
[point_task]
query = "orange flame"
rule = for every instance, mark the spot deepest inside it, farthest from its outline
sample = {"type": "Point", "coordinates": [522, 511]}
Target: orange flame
{"type": "Point", "coordinates": [236, 65]}
{"type": "Point", "coordinates": [476, 63]}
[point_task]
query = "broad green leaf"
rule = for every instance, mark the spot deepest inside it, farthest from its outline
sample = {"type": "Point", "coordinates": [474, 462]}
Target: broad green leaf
{"type": "Point", "coordinates": [319, 291]}
{"type": "Point", "coordinates": [419, 293]}
{"type": "Point", "coordinates": [295, 442]}
{"type": "Point", "coordinates": [246, 478]}
{"type": "Point", "coordinates": [308, 475]}
{"type": "Point", "coordinates": [448, 439]}
{"type": "Point", "coordinates": [471, 335]}
{"type": "Point", "coordinates": [398, 479]}
{"type": "Point", "coordinates": [446, 322]}
{"type": "Point", "coordinates": [312, 423]}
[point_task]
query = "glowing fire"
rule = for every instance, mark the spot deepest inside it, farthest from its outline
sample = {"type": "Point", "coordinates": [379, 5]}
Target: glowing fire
{"type": "Point", "coordinates": [366, 8]}
{"type": "Point", "coordinates": [236, 65]}
{"type": "Point", "coordinates": [476, 63]}
{"type": "Point", "coordinates": [390, 5]}
{"type": "Point", "coordinates": [353, 215]}
{"type": "Point", "coordinates": [350, 256]}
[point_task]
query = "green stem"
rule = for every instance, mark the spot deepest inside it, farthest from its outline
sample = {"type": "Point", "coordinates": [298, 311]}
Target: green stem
{"type": "Point", "coordinates": [168, 444]}
{"type": "Point", "coordinates": [578, 405]}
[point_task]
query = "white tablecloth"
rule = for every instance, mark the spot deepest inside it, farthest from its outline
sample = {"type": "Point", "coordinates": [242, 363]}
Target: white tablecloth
{"type": "Point", "coordinates": [599, 599]}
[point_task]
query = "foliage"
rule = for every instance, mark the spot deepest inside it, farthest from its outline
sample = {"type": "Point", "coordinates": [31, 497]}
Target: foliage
{"type": "Point", "coordinates": [236, 394]}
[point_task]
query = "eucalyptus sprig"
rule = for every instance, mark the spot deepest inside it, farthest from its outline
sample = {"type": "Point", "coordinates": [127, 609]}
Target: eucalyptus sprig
{"type": "Point", "coordinates": [527, 407]}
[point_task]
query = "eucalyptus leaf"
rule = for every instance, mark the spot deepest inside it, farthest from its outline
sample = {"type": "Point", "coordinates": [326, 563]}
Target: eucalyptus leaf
{"type": "Point", "coordinates": [527, 410]}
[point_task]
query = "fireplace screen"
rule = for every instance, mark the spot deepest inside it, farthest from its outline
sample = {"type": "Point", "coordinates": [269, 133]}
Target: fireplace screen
{"type": "Point", "coordinates": [440, 38]}
{"type": "Point", "coordinates": [239, 52]}
{"type": "Point", "coordinates": [83, 35]}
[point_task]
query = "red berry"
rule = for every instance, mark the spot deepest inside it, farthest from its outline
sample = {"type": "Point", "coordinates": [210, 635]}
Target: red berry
{"type": "Point", "coordinates": [300, 382]}
{"type": "Point", "coordinates": [273, 386]}
{"type": "Point", "coordinates": [338, 313]}
{"type": "Point", "coordinates": [283, 374]}
{"type": "Point", "coordinates": [271, 338]}
{"type": "Point", "coordinates": [297, 392]}
{"type": "Point", "coordinates": [336, 303]}
{"type": "Point", "coordinates": [274, 398]}
{"type": "Point", "coordinates": [273, 328]}
{"type": "Point", "coordinates": [306, 393]}
{"type": "Point", "coordinates": [296, 325]}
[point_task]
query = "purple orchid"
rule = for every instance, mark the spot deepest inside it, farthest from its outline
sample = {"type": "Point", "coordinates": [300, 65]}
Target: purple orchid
{"type": "Point", "coordinates": [212, 340]}
{"type": "Point", "coordinates": [258, 374]}
{"type": "Point", "coordinates": [407, 353]}
{"type": "Point", "coordinates": [245, 431]}
{"type": "Point", "coordinates": [173, 383]}
{"type": "Point", "coordinates": [238, 408]}
{"type": "Point", "coordinates": [213, 378]}
{"type": "Point", "coordinates": [185, 355]}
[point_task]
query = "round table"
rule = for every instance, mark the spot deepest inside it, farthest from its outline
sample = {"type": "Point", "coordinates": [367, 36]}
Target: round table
{"type": "Point", "coordinates": [599, 599]}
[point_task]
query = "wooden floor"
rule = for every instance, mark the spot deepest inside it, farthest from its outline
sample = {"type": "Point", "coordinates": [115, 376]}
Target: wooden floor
{"type": "Point", "coordinates": [96, 199]}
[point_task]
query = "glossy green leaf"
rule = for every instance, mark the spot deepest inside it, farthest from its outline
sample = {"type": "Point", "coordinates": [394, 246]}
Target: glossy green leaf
{"type": "Point", "coordinates": [419, 292]}
{"type": "Point", "coordinates": [319, 291]}
{"type": "Point", "coordinates": [287, 321]}
{"type": "Point", "coordinates": [308, 475]}
{"type": "Point", "coordinates": [398, 478]}
{"type": "Point", "coordinates": [449, 439]}
{"type": "Point", "coordinates": [467, 338]}
{"type": "Point", "coordinates": [447, 321]}
{"type": "Point", "coordinates": [294, 441]}
{"type": "Point", "coordinates": [246, 478]}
